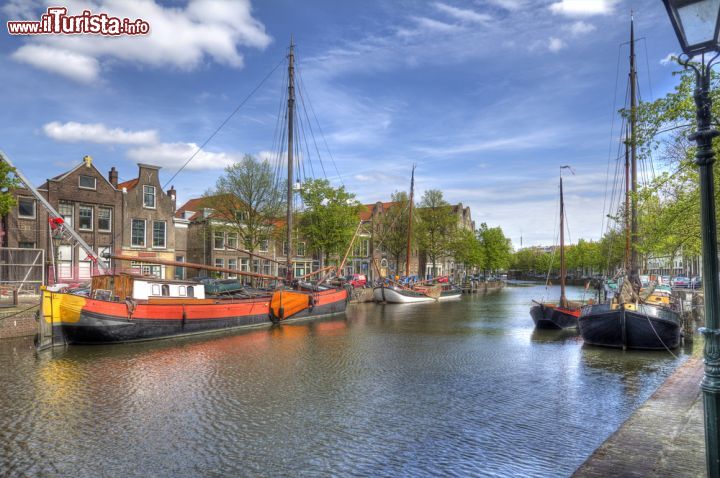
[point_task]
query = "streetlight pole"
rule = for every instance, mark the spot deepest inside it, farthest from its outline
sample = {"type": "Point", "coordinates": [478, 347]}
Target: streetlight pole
{"type": "Point", "coordinates": [705, 158]}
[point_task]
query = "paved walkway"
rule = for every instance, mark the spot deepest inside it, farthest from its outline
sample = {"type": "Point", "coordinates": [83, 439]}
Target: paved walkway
{"type": "Point", "coordinates": [664, 437]}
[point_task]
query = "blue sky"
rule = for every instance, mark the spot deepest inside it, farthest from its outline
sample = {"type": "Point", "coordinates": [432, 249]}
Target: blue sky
{"type": "Point", "coordinates": [488, 97]}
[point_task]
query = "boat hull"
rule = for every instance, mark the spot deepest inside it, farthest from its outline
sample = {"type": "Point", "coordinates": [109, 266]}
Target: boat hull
{"type": "Point", "coordinates": [647, 328]}
{"type": "Point", "coordinates": [551, 317]}
{"type": "Point", "coordinates": [400, 296]}
{"type": "Point", "coordinates": [81, 320]}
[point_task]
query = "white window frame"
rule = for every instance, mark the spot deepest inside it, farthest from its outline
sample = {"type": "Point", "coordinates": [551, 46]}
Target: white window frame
{"type": "Point", "coordinates": [233, 235]}
{"type": "Point", "coordinates": [215, 234]}
{"type": "Point", "coordinates": [132, 221]}
{"type": "Point", "coordinates": [264, 245]}
{"type": "Point", "coordinates": [92, 217]}
{"type": "Point", "coordinates": [69, 219]}
{"type": "Point", "coordinates": [232, 266]}
{"type": "Point", "coordinates": [154, 196]}
{"type": "Point", "coordinates": [109, 209]}
{"type": "Point", "coordinates": [94, 186]}
{"type": "Point", "coordinates": [34, 207]}
{"type": "Point", "coordinates": [164, 246]}
{"type": "Point", "coordinates": [297, 249]}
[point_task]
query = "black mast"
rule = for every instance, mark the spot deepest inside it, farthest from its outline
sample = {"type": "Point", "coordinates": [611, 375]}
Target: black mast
{"type": "Point", "coordinates": [291, 114]}
{"type": "Point", "coordinates": [563, 300]}
{"type": "Point", "coordinates": [633, 272]}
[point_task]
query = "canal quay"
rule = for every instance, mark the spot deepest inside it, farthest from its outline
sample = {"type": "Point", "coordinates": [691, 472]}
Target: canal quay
{"type": "Point", "coordinates": [462, 388]}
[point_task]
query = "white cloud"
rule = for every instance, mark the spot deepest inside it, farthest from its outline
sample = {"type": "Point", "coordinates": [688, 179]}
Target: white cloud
{"type": "Point", "coordinates": [180, 38]}
{"type": "Point", "coordinates": [583, 8]}
{"type": "Point", "coordinates": [75, 66]}
{"type": "Point", "coordinates": [74, 132]}
{"type": "Point", "coordinates": [670, 59]}
{"type": "Point", "coordinates": [555, 44]}
{"type": "Point", "coordinates": [429, 24]}
{"type": "Point", "coordinates": [462, 14]}
{"type": "Point", "coordinates": [580, 28]}
{"type": "Point", "coordinates": [174, 155]}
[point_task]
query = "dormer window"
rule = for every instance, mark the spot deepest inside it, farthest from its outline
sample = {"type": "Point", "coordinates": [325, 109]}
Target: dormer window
{"type": "Point", "coordinates": [87, 182]}
{"type": "Point", "coordinates": [149, 197]}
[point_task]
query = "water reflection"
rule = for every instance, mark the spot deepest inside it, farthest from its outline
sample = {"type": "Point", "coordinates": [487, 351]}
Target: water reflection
{"type": "Point", "coordinates": [463, 388]}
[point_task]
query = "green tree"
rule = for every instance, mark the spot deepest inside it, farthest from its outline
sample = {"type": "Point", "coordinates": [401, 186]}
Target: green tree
{"type": "Point", "coordinates": [497, 249]}
{"type": "Point", "coordinates": [392, 232]}
{"type": "Point", "coordinates": [436, 227]}
{"type": "Point", "coordinates": [329, 219]}
{"type": "Point", "coordinates": [467, 250]}
{"type": "Point", "coordinates": [8, 182]}
{"type": "Point", "coordinates": [247, 200]}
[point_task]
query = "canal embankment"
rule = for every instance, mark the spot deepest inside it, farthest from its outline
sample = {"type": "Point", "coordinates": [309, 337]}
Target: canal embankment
{"type": "Point", "coordinates": [20, 320]}
{"type": "Point", "coordinates": [664, 437]}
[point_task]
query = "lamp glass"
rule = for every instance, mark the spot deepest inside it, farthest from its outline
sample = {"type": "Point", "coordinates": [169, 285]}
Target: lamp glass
{"type": "Point", "coordinates": [698, 20]}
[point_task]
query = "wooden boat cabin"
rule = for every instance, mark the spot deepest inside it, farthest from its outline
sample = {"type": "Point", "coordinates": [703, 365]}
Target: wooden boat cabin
{"type": "Point", "coordinates": [122, 286]}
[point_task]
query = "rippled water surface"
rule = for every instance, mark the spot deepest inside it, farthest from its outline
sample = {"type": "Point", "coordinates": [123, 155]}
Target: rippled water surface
{"type": "Point", "coordinates": [464, 388]}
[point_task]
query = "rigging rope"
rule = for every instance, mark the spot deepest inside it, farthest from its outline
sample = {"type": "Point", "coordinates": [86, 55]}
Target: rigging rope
{"type": "Point", "coordinates": [225, 121]}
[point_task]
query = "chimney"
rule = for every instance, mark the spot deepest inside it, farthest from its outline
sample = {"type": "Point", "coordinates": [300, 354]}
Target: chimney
{"type": "Point", "coordinates": [113, 176]}
{"type": "Point", "coordinates": [171, 193]}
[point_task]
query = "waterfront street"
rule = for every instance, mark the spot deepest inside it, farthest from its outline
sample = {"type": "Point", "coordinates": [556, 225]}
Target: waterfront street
{"type": "Point", "coordinates": [466, 388]}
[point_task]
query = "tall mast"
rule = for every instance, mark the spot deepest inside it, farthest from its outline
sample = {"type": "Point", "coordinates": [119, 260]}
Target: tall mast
{"type": "Point", "coordinates": [633, 270]}
{"type": "Point", "coordinates": [290, 116]}
{"type": "Point", "coordinates": [627, 199]}
{"type": "Point", "coordinates": [563, 300]}
{"type": "Point", "coordinates": [410, 218]}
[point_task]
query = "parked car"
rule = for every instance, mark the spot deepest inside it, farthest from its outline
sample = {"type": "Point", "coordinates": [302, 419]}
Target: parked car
{"type": "Point", "coordinates": [665, 280]}
{"type": "Point", "coordinates": [356, 280]}
{"type": "Point", "coordinates": [681, 282]}
{"type": "Point", "coordinates": [442, 279]}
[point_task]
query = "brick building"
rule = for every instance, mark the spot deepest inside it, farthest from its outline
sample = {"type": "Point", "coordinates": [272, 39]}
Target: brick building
{"type": "Point", "coordinates": [88, 202]}
{"type": "Point", "coordinates": [151, 229]}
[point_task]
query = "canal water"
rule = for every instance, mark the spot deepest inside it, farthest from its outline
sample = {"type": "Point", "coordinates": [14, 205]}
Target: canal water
{"type": "Point", "coordinates": [465, 388]}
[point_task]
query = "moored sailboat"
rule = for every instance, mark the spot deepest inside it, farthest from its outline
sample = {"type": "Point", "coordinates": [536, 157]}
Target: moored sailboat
{"type": "Point", "coordinates": [628, 321]}
{"type": "Point", "coordinates": [564, 314]}
{"type": "Point", "coordinates": [399, 294]}
{"type": "Point", "coordinates": [126, 308]}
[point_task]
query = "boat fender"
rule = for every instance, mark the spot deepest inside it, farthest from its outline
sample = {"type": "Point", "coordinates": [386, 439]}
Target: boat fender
{"type": "Point", "coordinates": [130, 304]}
{"type": "Point", "coordinates": [311, 301]}
{"type": "Point", "coordinates": [274, 318]}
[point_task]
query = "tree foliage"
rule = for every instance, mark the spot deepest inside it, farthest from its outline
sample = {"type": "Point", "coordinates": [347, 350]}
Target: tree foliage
{"type": "Point", "coordinates": [330, 217]}
{"type": "Point", "coordinates": [392, 232]}
{"type": "Point", "coordinates": [8, 182]}
{"type": "Point", "coordinates": [248, 200]}
{"type": "Point", "coordinates": [437, 226]}
{"type": "Point", "coordinates": [496, 248]}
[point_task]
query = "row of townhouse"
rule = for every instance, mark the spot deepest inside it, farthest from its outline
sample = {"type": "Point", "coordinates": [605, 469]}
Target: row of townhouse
{"type": "Point", "coordinates": [137, 218]}
{"type": "Point", "coordinates": [133, 218]}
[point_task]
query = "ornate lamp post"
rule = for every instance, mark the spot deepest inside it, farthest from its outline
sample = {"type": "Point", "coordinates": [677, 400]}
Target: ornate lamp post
{"type": "Point", "coordinates": [697, 25]}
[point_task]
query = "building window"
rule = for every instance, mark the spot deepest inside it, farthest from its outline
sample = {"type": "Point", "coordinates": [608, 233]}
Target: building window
{"type": "Point", "coordinates": [179, 271]}
{"type": "Point", "coordinates": [149, 197]}
{"type": "Point", "coordinates": [26, 207]}
{"type": "Point", "coordinates": [26, 245]}
{"type": "Point", "coordinates": [138, 233]}
{"type": "Point", "coordinates": [87, 182]}
{"type": "Point", "coordinates": [104, 219]}
{"type": "Point", "coordinates": [300, 249]}
{"type": "Point", "coordinates": [232, 264]}
{"type": "Point", "coordinates": [219, 240]}
{"type": "Point", "coordinates": [102, 252]}
{"type": "Point", "coordinates": [232, 239]}
{"type": "Point", "coordinates": [263, 246]}
{"type": "Point", "coordinates": [155, 289]}
{"type": "Point", "coordinates": [159, 234]}
{"type": "Point", "coordinates": [85, 220]}
{"type": "Point", "coordinates": [285, 248]}
{"type": "Point", "coordinates": [245, 265]}
{"type": "Point", "coordinates": [182, 291]}
{"type": "Point", "coordinates": [241, 216]}
{"type": "Point", "coordinates": [165, 290]}
{"type": "Point", "coordinates": [220, 263]}
{"type": "Point", "coordinates": [65, 261]}
{"type": "Point", "coordinates": [67, 212]}
{"type": "Point", "coordinates": [190, 291]}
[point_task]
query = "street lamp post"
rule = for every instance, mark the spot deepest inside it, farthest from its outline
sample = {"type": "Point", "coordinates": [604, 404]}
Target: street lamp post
{"type": "Point", "coordinates": [697, 26]}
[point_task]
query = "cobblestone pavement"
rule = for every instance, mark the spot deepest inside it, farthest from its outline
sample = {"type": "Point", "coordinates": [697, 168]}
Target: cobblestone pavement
{"type": "Point", "coordinates": [664, 437]}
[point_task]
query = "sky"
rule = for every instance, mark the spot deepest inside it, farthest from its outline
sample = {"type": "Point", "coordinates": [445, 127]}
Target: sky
{"type": "Point", "coordinates": [488, 97]}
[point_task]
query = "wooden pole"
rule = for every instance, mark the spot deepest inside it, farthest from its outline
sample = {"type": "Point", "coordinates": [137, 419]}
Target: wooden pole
{"type": "Point", "coordinates": [191, 265]}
